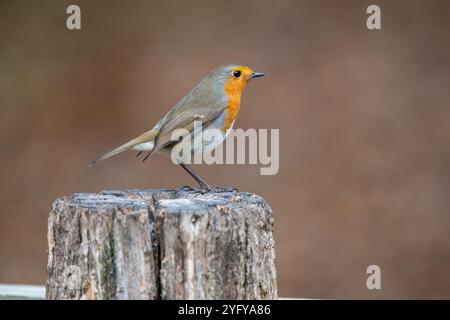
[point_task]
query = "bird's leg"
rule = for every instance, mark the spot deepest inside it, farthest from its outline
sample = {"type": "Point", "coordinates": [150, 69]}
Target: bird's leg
{"type": "Point", "coordinates": [200, 181]}
{"type": "Point", "coordinates": [146, 157]}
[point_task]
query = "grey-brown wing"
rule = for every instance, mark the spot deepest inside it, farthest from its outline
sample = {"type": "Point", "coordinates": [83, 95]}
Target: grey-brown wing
{"type": "Point", "coordinates": [205, 103]}
{"type": "Point", "coordinates": [185, 121]}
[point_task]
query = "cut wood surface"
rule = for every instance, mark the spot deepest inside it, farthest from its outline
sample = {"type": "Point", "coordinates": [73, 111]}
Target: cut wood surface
{"type": "Point", "coordinates": [161, 244]}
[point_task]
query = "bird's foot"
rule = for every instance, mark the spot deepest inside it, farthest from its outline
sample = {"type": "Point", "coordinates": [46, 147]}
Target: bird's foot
{"type": "Point", "coordinates": [187, 188]}
{"type": "Point", "coordinates": [201, 189]}
{"type": "Point", "coordinates": [204, 188]}
{"type": "Point", "coordinates": [226, 189]}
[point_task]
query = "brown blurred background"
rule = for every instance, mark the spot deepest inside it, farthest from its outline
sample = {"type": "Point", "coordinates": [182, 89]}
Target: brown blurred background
{"type": "Point", "coordinates": [363, 117]}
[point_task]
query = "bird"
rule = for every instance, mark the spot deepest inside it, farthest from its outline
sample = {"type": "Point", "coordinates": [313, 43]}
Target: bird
{"type": "Point", "coordinates": [215, 101]}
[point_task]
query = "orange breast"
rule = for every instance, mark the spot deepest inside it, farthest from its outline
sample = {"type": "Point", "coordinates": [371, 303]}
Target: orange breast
{"type": "Point", "coordinates": [234, 91]}
{"type": "Point", "coordinates": [231, 113]}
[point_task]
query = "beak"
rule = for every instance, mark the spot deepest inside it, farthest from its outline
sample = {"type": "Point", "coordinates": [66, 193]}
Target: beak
{"type": "Point", "coordinates": [256, 74]}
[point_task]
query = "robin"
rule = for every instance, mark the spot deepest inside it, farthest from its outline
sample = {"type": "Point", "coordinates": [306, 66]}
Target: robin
{"type": "Point", "coordinates": [215, 102]}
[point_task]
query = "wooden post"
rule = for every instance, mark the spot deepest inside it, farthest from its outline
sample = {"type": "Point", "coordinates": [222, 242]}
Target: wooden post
{"type": "Point", "coordinates": [161, 244]}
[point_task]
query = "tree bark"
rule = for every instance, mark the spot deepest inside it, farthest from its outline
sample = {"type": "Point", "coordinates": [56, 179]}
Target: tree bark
{"type": "Point", "coordinates": [161, 244]}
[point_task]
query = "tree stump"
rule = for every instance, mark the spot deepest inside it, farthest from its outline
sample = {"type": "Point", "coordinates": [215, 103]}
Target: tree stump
{"type": "Point", "coordinates": [161, 244]}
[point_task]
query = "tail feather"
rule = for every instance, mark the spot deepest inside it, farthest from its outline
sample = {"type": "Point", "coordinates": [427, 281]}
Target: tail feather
{"type": "Point", "coordinates": [145, 137]}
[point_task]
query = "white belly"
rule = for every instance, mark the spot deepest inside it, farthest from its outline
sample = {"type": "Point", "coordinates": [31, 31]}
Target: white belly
{"type": "Point", "coordinates": [195, 144]}
{"type": "Point", "coordinates": [210, 138]}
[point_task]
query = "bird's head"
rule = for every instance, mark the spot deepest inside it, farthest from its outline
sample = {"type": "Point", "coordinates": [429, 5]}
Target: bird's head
{"type": "Point", "coordinates": [234, 77]}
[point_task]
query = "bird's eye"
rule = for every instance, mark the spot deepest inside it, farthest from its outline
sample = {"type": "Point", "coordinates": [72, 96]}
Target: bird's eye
{"type": "Point", "coordinates": [237, 73]}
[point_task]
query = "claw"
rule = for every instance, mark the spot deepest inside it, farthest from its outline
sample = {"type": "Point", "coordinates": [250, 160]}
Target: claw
{"type": "Point", "coordinates": [203, 191]}
{"type": "Point", "coordinates": [205, 188]}
{"type": "Point", "coordinates": [187, 188]}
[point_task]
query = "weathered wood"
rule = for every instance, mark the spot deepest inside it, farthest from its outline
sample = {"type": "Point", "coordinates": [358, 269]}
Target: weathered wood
{"type": "Point", "coordinates": [161, 244]}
